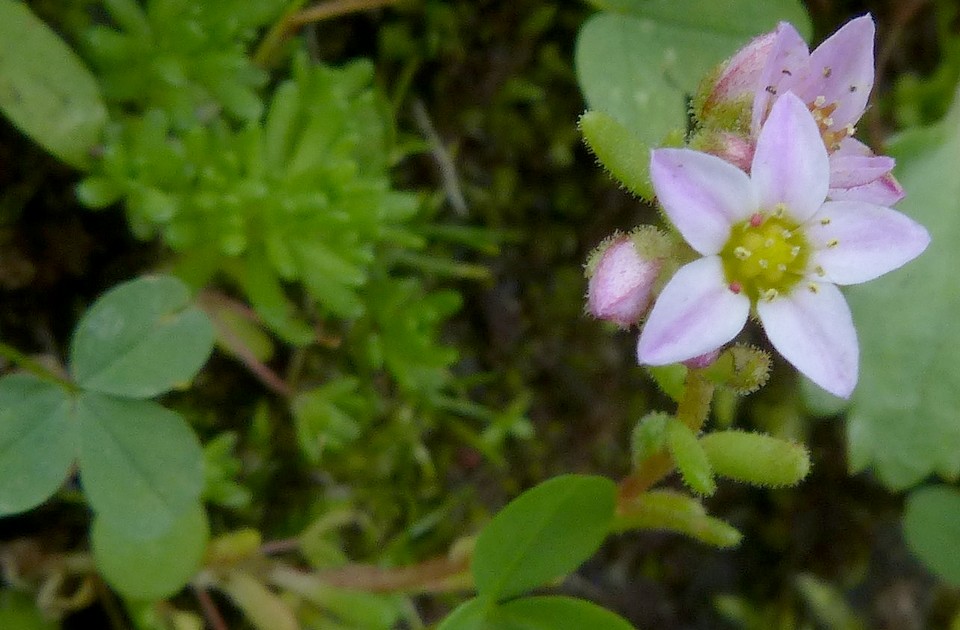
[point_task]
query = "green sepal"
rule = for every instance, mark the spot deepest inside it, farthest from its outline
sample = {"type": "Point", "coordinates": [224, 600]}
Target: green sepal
{"type": "Point", "coordinates": [743, 369]}
{"type": "Point", "coordinates": [756, 458]}
{"type": "Point", "coordinates": [677, 512]}
{"type": "Point", "coordinates": [669, 378]}
{"type": "Point", "coordinates": [690, 458]}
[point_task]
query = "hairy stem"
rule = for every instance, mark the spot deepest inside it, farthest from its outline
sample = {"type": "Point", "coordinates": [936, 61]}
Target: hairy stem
{"type": "Point", "coordinates": [269, 49]}
{"type": "Point", "coordinates": [438, 575]}
{"type": "Point", "coordinates": [693, 410]}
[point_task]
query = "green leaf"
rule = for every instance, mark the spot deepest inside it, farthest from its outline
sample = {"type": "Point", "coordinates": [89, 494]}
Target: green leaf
{"type": "Point", "coordinates": [470, 615]}
{"type": "Point", "coordinates": [619, 150]}
{"type": "Point", "coordinates": [555, 612]}
{"type": "Point", "coordinates": [640, 65]}
{"type": "Point", "coordinates": [717, 16]}
{"type": "Point", "coordinates": [99, 192]}
{"type": "Point", "coordinates": [260, 284]}
{"type": "Point", "coordinates": [674, 511]}
{"type": "Point", "coordinates": [45, 89]}
{"type": "Point", "coordinates": [263, 608]}
{"type": "Point", "coordinates": [690, 458]}
{"type": "Point", "coordinates": [903, 419]}
{"type": "Point", "coordinates": [141, 464]}
{"type": "Point", "coordinates": [546, 532]}
{"type": "Point", "coordinates": [931, 526]}
{"type": "Point", "coordinates": [756, 458]}
{"type": "Point", "coordinates": [649, 436]}
{"type": "Point", "coordinates": [154, 567]}
{"type": "Point", "coordinates": [329, 417]}
{"type": "Point", "coordinates": [140, 339]}
{"type": "Point", "coordinates": [38, 443]}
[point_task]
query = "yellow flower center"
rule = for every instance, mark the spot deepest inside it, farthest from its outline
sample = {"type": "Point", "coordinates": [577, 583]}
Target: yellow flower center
{"type": "Point", "coordinates": [766, 255]}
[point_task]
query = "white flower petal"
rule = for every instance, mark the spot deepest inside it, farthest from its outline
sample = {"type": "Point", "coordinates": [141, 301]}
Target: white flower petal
{"type": "Point", "coordinates": [852, 146]}
{"type": "Point", "coordinates": [883, 191]}
{"type": "Point", "coordinates": [702, 195]}
{"type": "Point", "coordinates": [841, 71]}
{"type": "Point", "coordinates": [788, 57]}
{"type": "Point", "coordinates": [790, 164]}
{"type": "Point", "coordinates": [855, 241]}
{"type": "Point", "coordinates": [695, 314]}
{"type": "Point", "coordinates": [847, 171]}
{"type": "Point", "coordinates": [814, 332]}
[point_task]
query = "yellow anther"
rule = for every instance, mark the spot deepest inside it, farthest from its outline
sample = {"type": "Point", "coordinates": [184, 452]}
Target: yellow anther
{"type": "Point", "coordinates": [770, 295]}
{"type": "Point", "coordinates": [768, 242]}
{"type": "Point", "coordinates": [833, 242]}
{"type": "Point", "coordinates": [742, 253]}
{"type": "Point", "coordinates": [828, 121]}
{"type": "Point", "coordinates": [814, 287]}
{"type": "Point", "coordinates": [821, 100]}
{"type": "Point", "coordinates": [787, 234]}
{"type": "Point", "coordinates": [763, 263]}
{"type": "Point", "coordinates": [781, 267]}
{"type": "Point", "coordinates": [825, 221]}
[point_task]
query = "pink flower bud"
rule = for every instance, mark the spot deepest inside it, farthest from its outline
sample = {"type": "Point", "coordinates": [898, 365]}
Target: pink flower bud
{"type": "Point", "coordinates": [621, 279]}
{"type": "Point", "coordinates": [741, 73]}
{"type": "Point", "coordinates": [738, 78]}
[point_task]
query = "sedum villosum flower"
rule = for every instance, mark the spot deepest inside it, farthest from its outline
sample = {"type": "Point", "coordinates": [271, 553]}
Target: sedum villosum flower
{"type": "Point", "coordinates": [834, 81]}
{"type": "Point", "coordinates": [771, 242]}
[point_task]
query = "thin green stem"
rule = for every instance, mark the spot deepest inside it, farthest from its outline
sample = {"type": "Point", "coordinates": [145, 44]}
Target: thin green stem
{"type": "Point", "coordinates": [36, 368]}
{"type": "Point", "coordinates": [267, 52]}
{"type": "Point", "coordinates": [694, 407]}
{"type": "Point", "coordinates": [693, 410]}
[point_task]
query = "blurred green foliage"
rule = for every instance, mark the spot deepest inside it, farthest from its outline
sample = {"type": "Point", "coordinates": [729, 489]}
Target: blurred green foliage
{"type": "Point", "coordinates": [424, 336]}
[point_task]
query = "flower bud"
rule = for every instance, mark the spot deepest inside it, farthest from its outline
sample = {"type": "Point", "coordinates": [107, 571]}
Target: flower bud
{"type": "Point", "coordinates": [622, 274]}
{"type": "Point", "coordinates": [731, 87]}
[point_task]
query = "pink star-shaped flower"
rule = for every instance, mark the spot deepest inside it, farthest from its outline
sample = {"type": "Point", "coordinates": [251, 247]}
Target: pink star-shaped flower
{"type": "Point", "coordinates": [834, 81]}
{"type": "Point", "coordinates": [772, 243]}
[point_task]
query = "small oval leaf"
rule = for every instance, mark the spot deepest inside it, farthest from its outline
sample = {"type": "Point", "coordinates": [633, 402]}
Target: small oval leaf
{"type": "Point", "coordinates": [555, 612]}
{"type": "Point", "coordinates": [756, 458]}
{"type": "Point", "coordinates": [470, 615]}
{"type": "Point", "coordinates": [141, 464]}
{"type": "Point", "coordinates": [625, 156]}
{"type": "Point", "coordinates": [155, 567]}
{"type": "Point", "coordinates": [544, 533]}
{"type": "Point", "coordinates": [673, 511]}
{"type": "Point", "coordinates": [140, 339]}
{"type": "Point", "coordinates": [45, 90]}
{"type": "Point", "coordinates": [38, 442]}
{"type": "Point", "coordinates": [690, 458]}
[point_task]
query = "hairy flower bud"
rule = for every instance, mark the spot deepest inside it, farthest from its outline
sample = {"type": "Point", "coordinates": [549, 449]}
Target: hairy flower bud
{"type": "Point", "coordinates": [735, 82]}
{"type": "Point", "coordinates": [622, 274]}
